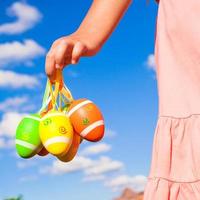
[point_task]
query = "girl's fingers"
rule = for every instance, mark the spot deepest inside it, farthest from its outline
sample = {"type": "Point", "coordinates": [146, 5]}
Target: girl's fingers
{"type": "Point", "coordinates": [67, 60]}
{"type": "Point", "coordinates": [61, 53]}
{"type": "Point", "coordinates": [50, 63]}
{"type": "Point", "coordinates": [78, 50]}
{"type": "Point", "coordinates": [58, 56]}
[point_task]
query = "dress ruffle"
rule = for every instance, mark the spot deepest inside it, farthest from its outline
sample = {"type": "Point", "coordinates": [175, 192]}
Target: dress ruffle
{"type": "Point", "coordinates": [162, 189]}
{"type": "Point", "coordinates": [175, 165]}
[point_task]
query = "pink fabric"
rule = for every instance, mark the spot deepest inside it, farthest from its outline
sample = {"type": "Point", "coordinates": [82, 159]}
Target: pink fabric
{"type": "Point", "coordinates": [175, 166]}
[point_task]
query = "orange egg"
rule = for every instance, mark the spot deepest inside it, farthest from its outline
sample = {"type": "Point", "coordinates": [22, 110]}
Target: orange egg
{"type": "Point", "coordinates": [87, 119]}
{"type": "Point", "coordinates": [73, 149]}
{"type": "Point", "coordinates": [43, 152]}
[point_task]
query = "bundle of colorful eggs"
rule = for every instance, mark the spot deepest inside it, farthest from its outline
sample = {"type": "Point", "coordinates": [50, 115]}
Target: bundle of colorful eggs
{"type": "Point", "coordinates": [59, 129]}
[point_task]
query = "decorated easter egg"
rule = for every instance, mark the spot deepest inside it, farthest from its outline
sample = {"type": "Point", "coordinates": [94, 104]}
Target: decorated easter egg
{"type": "Point", "coordinates": [72, 150]}
{"type": "Point", "coordinates": [43, 152]}
{"type": "Point", "coordinates": [56, 132]}
{"type": "Point", "coordinates": [27, 139]}
{"type": "Point", "coordinates": [86, 119]}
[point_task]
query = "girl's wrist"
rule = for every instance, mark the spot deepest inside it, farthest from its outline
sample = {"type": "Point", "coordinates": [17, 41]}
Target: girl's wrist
{"type": "Point", "coordinates": [92, 43]}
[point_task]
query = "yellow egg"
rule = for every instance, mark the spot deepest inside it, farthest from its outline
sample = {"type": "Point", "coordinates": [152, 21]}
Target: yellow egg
{"type": "Point", "coordinates": [56, 132]}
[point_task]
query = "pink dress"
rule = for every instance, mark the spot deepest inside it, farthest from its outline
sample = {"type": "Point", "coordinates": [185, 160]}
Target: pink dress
{"type": "Point", "coordinates": [175, 165]}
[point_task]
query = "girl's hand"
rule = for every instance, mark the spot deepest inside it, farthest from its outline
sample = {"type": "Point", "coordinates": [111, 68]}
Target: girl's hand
{"type": "Point", "coordinates": [68, 50]}
{"type": "Point", "coordinates": [100, 21]}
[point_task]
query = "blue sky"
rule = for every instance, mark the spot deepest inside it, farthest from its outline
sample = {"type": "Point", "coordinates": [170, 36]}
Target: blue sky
{"type": "Point", "coordinates": [120, 79]}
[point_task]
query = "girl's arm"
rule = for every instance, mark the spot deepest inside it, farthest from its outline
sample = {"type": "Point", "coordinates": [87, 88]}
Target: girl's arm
{"type": "Point", "coordinates": [87, 40]}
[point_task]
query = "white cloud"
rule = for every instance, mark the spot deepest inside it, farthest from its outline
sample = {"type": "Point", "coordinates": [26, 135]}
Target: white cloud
{"type": "Point", "coordinates": [137, 182]}
{"type": "Point", "coordinates": [151, 62]}
{"type": "Point", "coordinates": [96, 149]}
{"type": "Point", "coordinates": [6, 143]}
{"type": "Point", "coordinates": [13, 103]}
{"type": "Point", "coordinates": [104, 165]}
{"type": "Point", "coordinates": [26, 164]}
{"type": "Point", "coordinates": [9, 122]}
{"type": "Point", "coordinates": [109, 133]}
{"type": "Point", "coordinates": [79, 163]}
{"type": "Point", "coordinates": [91, 168]}
{"type": "Point", "coordinates": [28, 178]}
{"type": "Point", "coordinates": [20, 52]}
{"type": "Point", "coordinates": [27, 16]}
{"type": "Point", "coordinates": [16, 80]}
{"type": "Point", "coordinates": [2, 143]}
{"type": "Point", "coordinates": [17, 104]}
{"type": "Point", "coordinates": [94, 178]}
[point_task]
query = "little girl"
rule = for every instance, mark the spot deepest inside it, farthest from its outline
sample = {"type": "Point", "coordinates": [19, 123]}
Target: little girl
{"type": "Point", "coordinates": [175, 165]}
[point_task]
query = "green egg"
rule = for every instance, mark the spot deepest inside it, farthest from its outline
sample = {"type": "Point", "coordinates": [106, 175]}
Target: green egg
{"type": "Point", "coordinates": [27, 139]}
